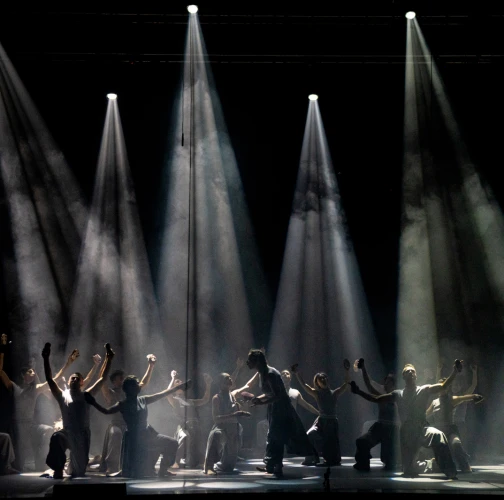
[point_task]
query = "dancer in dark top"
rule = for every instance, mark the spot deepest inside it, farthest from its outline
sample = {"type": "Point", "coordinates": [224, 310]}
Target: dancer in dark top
{"type": "Point", "coordinates": [324, 432]}
{"type": "Point", "coordinates": [285, 426]}
{"type": "Point", "coordinates": [412, 402]}
{"type": "Point", "coordinates": [224, 440]}
{"type": "Point", "coordinates": [385, 431]}
{"type": "Point", "coordinates": [142, 443]}
{"type": "Point", "coordinates": [30, 438]}
{"type": "Point", "coordinates": [74, 405]}
{"type": "Point", "coordinates": [441, 415]}
{"type": "Point", "coordinates": [112, 443]}
{"type": "Point", "coordinates": [188, 433]}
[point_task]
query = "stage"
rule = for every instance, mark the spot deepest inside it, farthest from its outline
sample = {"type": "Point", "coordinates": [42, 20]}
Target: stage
{"type": "Point", "coordinates": [485, 480]}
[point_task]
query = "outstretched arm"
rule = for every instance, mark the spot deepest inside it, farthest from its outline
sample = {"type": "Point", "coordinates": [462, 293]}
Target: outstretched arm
{"type": "Point", "coordinates": [474, 381]}
{"type": "Point", "coordinates": [206, 397]}
{"type": "Point", "coordinates": [53, 386]}
{"type": "Point", "coordinates": [340, 390]}
{"type": "Point", "coordinates": [310, 390]}
{"type": "Point", "coordinates": [105, 371]}
{"type": "Point", "coordinates": [251, 383]}
{"type": "Point", "coordinates": [367, 379]}
{"type": "Point", "coordinates": [382, 398]}
{"type": "Point", "coordinates": [234, 376]}
{"type": "Point", "coordinates": [456, 400]}
{"type": "Point", "coordinates": [156, 397]}
{"type": "Point", "coordinates": [6, 381]}
{"type": "Point", "coordinates": [41, 387]}
{"type": "Point", "coordinates": [107, 411]}
{"type": "Point", "coordinates": [437, 388]}
{"type": "Point", "coordinates": [307, 406]}
{"type": "Point", "coordinates": [150, 368]}
{"type": "Point", "coordinates": [90, 375]}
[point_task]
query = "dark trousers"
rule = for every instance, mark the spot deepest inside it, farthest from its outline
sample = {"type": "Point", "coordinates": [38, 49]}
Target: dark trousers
{"type": "Point", "coordinates": [78, 443]}
{"type": "Point", "coordinates": [324, 436]}
{"type": "Point", "coordinates": [386, 434]}
{"type": "Point", "coordinates": [460, 456]}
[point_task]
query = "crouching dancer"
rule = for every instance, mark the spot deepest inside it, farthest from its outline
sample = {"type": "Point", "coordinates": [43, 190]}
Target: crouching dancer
{"type": "Point", "coordinates": [224, 440]}
{"type": "Point", "coordinates": [142, 444]}
{"type": "Point", "coordinates": [74, 406]}
{"type": "Point", "coordinates": [412, 402]}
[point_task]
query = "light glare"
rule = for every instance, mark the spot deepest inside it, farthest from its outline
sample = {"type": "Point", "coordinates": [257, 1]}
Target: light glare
{"type": "Point", "coordinates": [313, 97]}
{"type": "Point", "coordinates": [410, 15]}
{"type": "Point", "coordinates": [112, 96]}
{"type": "Point", "coordinates": [192, 9]}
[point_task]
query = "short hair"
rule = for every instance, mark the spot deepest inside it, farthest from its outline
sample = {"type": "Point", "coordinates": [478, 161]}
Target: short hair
{"type": "Point", "coordinates": [115, 374]}
{"type": "Point", "coordinates": [408, 365]}
{"type": "Point", "coordinates": [79, 374]}
{"type": "Point", "coordinates": [257, 355]}
{"type": "Point", "coordinates": [318, 375]}
{"type": "Point", "coordinates": [25, 369]}
{"type": "Point", "coordinates": [222, 376]}
{"type": "Point", "coordinates": [129, 382]}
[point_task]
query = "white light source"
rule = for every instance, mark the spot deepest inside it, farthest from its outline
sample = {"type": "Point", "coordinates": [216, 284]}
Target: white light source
{"type": "Point", "coordinates": [410, 15]}
{"type": "Point", "coordinates": [313, 97]}
{"type": "Point", "coordinates": [192, 9]}
{"type": "Point", "coordinates": [112, 96]}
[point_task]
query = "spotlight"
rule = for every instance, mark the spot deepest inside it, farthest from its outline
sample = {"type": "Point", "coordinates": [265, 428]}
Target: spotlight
{"type": "Point", "coordinates": [313, 97]}
{"type": "Point", "coordinates": [112, 97]}
{"type": "Point", "coordinates": [192, 9]}
{"type": "Point", "coordinates": [410, 15]}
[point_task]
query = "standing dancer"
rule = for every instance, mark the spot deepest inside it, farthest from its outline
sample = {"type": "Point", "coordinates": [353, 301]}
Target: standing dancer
{"type": "Point", "coordinates": [385, 431]}
{"type": "Point", "coordinates": [111, 454]}
{"type": "Point", "coordinates": [74, 406]}
{"type": "Point", "coordinates": [415, 432]}
{"type": "Point", "coordinates": [142, 443]}
{"type": "Point", "coordinates": [285, 426]}
{"type": "Point", "coordinates": [324, 432]}
{"type": "Point", "coordinates": [224, 440]}
{"type": "Point", "coordinates": [441, 414]}
{"type": "Point", "coordinates": [188, 433]}
{"type": "Point", "coordinates": [30, 439]}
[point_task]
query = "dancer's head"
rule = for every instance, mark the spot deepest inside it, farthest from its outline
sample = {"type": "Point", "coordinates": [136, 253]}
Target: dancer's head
{"type": "Point", "coordinates": [28, 374]}
{"type": "Point", "coordinates": [131, 386]}
{"type": "Point", "coordinates": [76, 381]}
{"type": "Point", "coordinates": [389, 383]}
{"type": "Point", "coordinates": [225, 381]}
{"type": "Point", "coordinates": [256, 359]}
{"type": "Point", "coordinates": [409, 374]}
{"type": "Point", "coordinates": [117, 378]}
{"type": "Point", "coordinates": [286, 377]}
{"type": "Point", "coordinates": [320, 381]}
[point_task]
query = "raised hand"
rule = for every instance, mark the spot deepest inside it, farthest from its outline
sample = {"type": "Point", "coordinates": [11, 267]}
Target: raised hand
{"type": "Point", "coordinates": [294, 367]}
{"type": "Point", "coordinates": [152, 359]}
{"type": "Point", "coordinates": [46, 351]}
{"type": "Point", "coordinates": [110, 352]}
{"type": "Point", "coordinates": [346, 364]}
{"type": "Point", "coordinates": [354, 387]}
{"type": "Point", "coordinates": [255, 401]}
{"type": "Point", "coordinates": [478, 398]}
{"type": "Point", "coordinates": [240, 363]}
{"type": "Point", "coordinates": [458, 365]}
{"type": "Point", "coordinates": [96, 359]}
{"type": "Point", "coordinates": [73, 355]}
{"type": "Point", "coordinates": [207, 378]}
{"type": "Point", "coordinates": [173, 374]}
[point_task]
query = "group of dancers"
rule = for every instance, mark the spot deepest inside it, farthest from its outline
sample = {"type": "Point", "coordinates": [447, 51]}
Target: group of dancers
{"type": "Point", "coordinates": [410, 419]}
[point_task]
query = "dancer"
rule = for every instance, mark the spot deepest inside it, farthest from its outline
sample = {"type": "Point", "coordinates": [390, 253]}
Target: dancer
{"type": "Point", "coordinates": [285, 427]}
{"type": "Point", "coordinates": [30, 438]}
{"type": "Point", "coordinates": [142, 443]}
{"type": "Point", "coordinates": [415, 431]}
{"type": "Point", "coordinates": [224, 440]}
{"type": "Point", "coordinates": [74, 406]}
{"type": "Point", "coordinates": [111, 454]}
{"type": "Point", "coordinates": [441, 415]}
{"type": "Point", "coordinates": [324, 432]}
{"type": "Point", "coordinates": [188, 433]}
{"type": "Point", "coordinates": [384, 431]}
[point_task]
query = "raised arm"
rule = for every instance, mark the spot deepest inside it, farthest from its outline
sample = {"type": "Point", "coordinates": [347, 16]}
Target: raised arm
{"type": "Point", "coordinates": [150, 368]}
{"type": "Point", "coordinates": [437, 388]}
{"type": "Point", "coordinates": [53, 386]}
{"type": "Point", "coordinates": [341, 389]}
{"type": "Point", "coordinates": [307, 406]}
{"type": "Point", "coordinates": [109, 355]}
{"type": "Point", "coordinates": [310, 390]}
{"type": "Point", "coordinates": [251, 383]}
{"type": "Point", "coordinates": [367, 379]}
{"type": "Point", "coordinates": [382, 398]}
{"type": "Point", "coordinates": [6, 381]}
{"type": "Point", "coordinates": [206, 396]}
{"type": "Point", "coordinates": [234, 376]}
{"type": "Point", "coordinates": [156, 397]}
{"type": "Point", "coordinates": [456, 400]}
{"type": "Point", "coordinates": [94, 368]}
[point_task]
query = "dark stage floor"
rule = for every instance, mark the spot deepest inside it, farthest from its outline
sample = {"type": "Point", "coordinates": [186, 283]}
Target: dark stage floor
{"type": "Point", "coordinates": [485, 480]}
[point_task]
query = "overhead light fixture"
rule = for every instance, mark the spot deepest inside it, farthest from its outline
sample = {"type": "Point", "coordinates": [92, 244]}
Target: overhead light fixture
{"type": "Point", "coordinates": [313, 97]}
{"type": "Point", "coordinates": [112, 97]}
{"type": "Point", "coordinates": [192, 9]}
{"type": "Point", "coordinates": [410, 15]}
